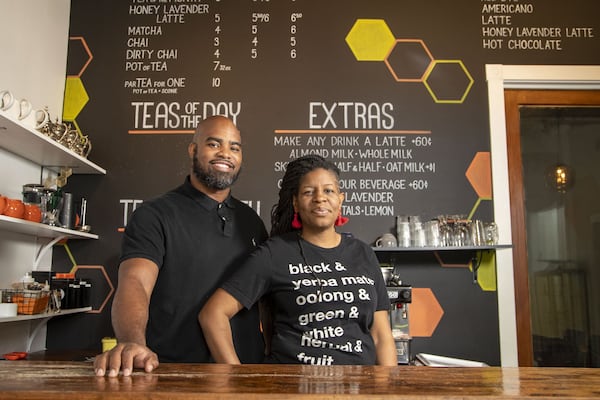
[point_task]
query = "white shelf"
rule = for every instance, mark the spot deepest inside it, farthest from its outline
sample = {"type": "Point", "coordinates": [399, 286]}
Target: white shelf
{"type": "Point", "coordinates": [47, 315]}
{"type": "Point", "coordinates": [18, 225]}
{"type": "Point", "coordinates": [40, 149]}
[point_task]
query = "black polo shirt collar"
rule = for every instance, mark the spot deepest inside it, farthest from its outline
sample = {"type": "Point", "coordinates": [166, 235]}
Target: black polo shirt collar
{"type": "Point", "coordinates": [201, 198]}
{"type": "Point", "coordinates": [224, 210]}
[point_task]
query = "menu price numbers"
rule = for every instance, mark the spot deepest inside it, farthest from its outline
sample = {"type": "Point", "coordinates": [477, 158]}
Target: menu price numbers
{"type": "Point", "coordinates": [220, 67]}
{"type": "Point", "coordinates": [294, 17]}
{"type": "Point", "coordinates": [260, 17]}
{"type": "Point", "coordinates": [257, 18]}
{"type": "Point", "coordinates": [421, 141]}
{"type": "Point", "coordinates": [217, 65]}
{"type": "Point", "coordinates": [419, 184]}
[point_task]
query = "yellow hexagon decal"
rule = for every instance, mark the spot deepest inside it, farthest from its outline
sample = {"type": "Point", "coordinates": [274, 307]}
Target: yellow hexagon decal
{"type": "Point", "coordinates": [458, 97]}
{"type": "Point", "coordinates": [370, 39]}
{"type": "Point", "coordinates": [76, 98]}
{"type": "Point", "coordinates": [486, 270]}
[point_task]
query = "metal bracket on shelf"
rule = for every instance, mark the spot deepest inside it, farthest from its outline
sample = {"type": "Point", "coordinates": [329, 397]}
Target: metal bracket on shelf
{"type": "Point", "coordinates": [44, 249]}
{"type": "Point", "coordinates": [476, 263]}
{"type": "Point", "coordinates": [38, 325]}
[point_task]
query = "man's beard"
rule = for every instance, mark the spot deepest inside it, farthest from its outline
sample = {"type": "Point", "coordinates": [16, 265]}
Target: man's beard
{"type": "Point", "coordinates": [213, 179]}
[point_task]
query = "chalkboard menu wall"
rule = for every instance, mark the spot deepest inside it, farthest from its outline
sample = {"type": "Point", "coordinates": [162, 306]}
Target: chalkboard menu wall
{"type": "Point", "coordinates": [393, 92]}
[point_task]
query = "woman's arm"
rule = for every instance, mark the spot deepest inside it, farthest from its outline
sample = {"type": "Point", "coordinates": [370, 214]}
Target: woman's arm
{"type": "Point", "coordinates": [384, 341]}
{"type": "Point", "coordinates": [214, 319]}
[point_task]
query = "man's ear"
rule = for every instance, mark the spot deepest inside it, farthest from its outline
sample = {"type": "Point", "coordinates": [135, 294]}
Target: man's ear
{"type": "Point", "coordinates": [191, 147]}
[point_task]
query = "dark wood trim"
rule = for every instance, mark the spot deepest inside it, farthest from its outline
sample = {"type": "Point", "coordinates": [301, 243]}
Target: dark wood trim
{"type": "Point", "coordinates": [513, 100]}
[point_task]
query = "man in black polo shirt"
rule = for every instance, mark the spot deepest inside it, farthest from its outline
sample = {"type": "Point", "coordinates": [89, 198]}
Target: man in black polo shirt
{"type": "Point", "coordinates": [177, 249]}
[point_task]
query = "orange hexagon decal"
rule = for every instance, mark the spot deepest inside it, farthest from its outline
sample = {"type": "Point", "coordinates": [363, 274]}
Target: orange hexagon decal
{"type": "Point", "coordinates": [479, 175]}
{"type": "Point", "coordinates": [409, 60]}
{"type": "Point", "coordinates": [103, 273]}
{"type": "Point", "coordinates": [425, 313]}
{"type": "Point", "coordinates": [87, 51]}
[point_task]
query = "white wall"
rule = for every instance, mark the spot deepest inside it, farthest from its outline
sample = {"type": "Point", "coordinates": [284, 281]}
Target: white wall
{"type": "Point", "coordinates": [33, 50]}
{"type": "Point", "coordinates": [33, 58]}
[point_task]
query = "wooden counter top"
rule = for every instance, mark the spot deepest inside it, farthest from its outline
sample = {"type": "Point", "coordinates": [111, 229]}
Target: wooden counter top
{"type": "Point", "coordinates": [46, 380]}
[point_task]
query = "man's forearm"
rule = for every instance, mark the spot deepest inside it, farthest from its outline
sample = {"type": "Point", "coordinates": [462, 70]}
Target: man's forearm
{"type": "Point", "coordinates": [129, 318]}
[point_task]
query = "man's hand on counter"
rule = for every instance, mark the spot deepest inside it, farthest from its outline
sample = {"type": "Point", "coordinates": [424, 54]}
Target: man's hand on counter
{"type": "Point", "coordinates": [125, 357]}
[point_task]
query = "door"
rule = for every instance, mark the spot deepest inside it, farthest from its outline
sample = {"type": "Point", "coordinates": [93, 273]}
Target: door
{"type": "Point", "coordinates": [553, 143]}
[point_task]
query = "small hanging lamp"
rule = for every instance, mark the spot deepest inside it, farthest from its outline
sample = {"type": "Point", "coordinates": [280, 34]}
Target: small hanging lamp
{"type": "Point", "coordinates": [560, 176]}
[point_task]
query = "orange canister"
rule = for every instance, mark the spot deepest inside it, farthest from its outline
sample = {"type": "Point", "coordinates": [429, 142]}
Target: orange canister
{"type": "Point", "coordinates": [14, 208]}
{"type": "Point", "coordinates": [2, 204]}
{"type": "Point", "coordinates": [33, 213]}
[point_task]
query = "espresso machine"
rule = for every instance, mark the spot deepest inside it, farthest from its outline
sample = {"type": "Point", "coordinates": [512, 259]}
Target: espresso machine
{"type": "Point", "coordinates": [400, 297]}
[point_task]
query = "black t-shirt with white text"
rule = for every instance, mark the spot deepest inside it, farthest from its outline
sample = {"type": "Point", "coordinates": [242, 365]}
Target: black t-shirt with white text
{"type": "Point", "coordinates": [322, 313]}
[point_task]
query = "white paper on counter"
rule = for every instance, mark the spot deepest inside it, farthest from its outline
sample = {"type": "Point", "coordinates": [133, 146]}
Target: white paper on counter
{"type": "Point", "coordinates": [431, 360]}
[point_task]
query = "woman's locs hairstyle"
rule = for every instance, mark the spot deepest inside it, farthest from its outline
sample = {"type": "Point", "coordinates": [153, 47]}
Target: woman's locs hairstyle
{"type": "Point", "coordinates": [282, 213]}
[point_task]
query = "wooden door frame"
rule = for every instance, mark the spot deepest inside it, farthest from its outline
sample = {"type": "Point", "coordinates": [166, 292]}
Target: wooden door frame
{"type": "Point", "coordinates": [513, 100]}
{"type": "Point", "coordinates": [527, 77]}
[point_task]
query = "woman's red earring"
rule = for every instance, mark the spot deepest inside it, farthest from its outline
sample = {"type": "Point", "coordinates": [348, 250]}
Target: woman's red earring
{"type": "Point", "coordinates": [296, 224]}
{"type": "Point", "coordinates": [341, 220]}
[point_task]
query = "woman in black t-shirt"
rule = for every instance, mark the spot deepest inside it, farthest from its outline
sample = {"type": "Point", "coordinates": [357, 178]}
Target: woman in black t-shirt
{"type": "Point", "coordinates": [327, 299]}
